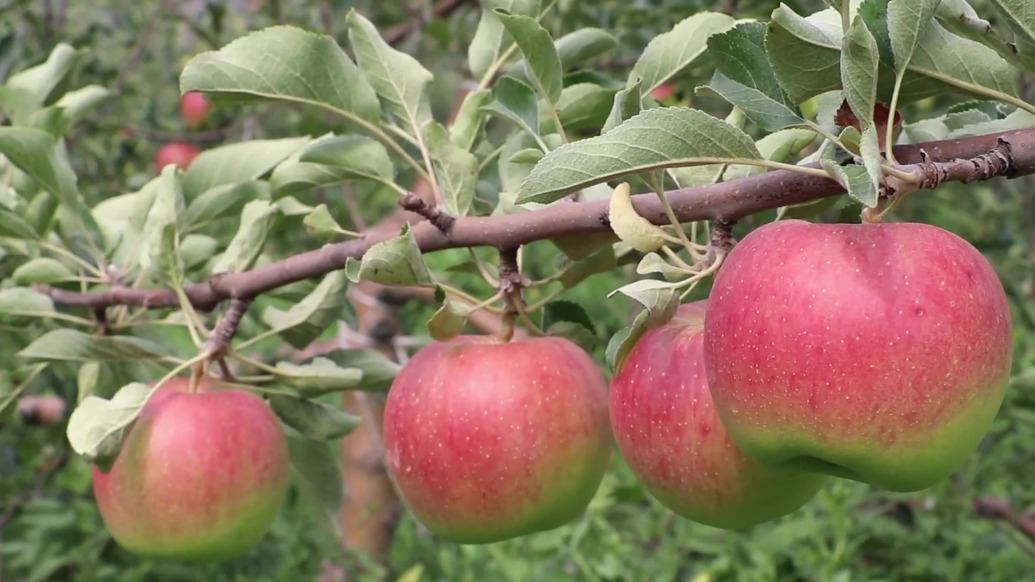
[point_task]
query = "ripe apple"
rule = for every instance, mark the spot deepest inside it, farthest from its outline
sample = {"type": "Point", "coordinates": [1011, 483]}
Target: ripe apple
{"type": "Point", "coordinates": [179, 153]}
{"type": "Point", "coordinates": [874, 352]}
{"type": "Point", "coordinates": [667, 429]}
{"type": "Point", "coordinates": [193, 108]}
{"type": "Point", "coordinates": [200, 476]}
{"type": "Point", "coordinates": [488, 440]}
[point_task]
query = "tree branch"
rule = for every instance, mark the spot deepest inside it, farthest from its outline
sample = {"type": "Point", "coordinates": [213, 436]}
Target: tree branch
{"type": "Point", "coordinates": [951, 160]}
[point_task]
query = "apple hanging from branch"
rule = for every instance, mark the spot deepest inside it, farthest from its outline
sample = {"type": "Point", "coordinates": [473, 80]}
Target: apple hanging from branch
{"type": "Point", "coordinates": [200, 476]}
{"type": "Point", "coordinates": [874, 352]}
{"type": "Point", "coordinates": [667, 429]}
{"type": "Point", "coordinates": [488, 440]}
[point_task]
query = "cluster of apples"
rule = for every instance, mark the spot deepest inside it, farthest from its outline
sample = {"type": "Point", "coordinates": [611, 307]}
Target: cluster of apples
{"type": "Point", "coordinates": [194, 108]}
{"type": "Point", "coordinates": [876, 352]}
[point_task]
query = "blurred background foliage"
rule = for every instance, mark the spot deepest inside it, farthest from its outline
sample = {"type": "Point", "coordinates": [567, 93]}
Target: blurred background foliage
{"type": "Point", "coordinates": [50, 528]}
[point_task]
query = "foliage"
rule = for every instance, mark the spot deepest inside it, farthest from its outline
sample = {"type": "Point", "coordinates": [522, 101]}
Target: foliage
{"type": "Point", "coordinates": [302, 117]}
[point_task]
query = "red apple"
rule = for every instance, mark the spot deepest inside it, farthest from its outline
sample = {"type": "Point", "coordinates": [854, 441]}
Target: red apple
{"type": "Point", "coordinates": [179, 153]}
{"type": "Point", "coordinates": [874, 352]}
{"type": "Point", "coordinates": [667, 429]}
{"type": "Point", "coordinates": [663, 91]}
{"type": "Point", "coordinates": [200, 476]}
{"type": "Point", "coordinates": [488, 440]}
{"type": "Point", "coordinates": [193, 108]}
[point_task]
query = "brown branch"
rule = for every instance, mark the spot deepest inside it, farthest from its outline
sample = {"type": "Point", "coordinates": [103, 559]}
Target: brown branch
{"type": "Point", "coordinates": [441, 9]}
{"type": "Point", "coordinates": [727, 201]}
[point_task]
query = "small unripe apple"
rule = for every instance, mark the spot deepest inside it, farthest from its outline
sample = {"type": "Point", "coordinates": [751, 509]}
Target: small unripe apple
{"type": "Point", "coordinates": [488, 440]}
{"type": "Point", "coordinates": [193, 108]}
{"type": "Point", "coordinates": [200, 476]}
{"type": "Point", "coordinates": [667, 429]}
{"type": "Point", "coordinates": [874, 352]}
{"type": "Point", "coordinates": [179, 153]}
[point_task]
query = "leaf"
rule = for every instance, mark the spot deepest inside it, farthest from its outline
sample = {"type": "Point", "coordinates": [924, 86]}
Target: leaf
{"type": "Point", "coordinates": [470, 119]}
{"type": "Point", "coordinates": [19, 302]}
{"type": "Point", "coordinates": [321, 224]}
{"type": "Point", "coordinates": [623, 341]}
{"type": "Point", "coordinates": [962, 63]}
{"type": "Point", "coordinates": [352, 156]}
{"type": "Point", "coordinates": [399, 79]}
{"type": "Point", "coordinates": [285, 63]}
{"type": "Point", "coordinates": [907, 22]}
{"type": "Point", "coordinates": [655, 139]}
{"type": "Point", "coordinates": [859, 66]}
{"type": "Point", "coordinates": [805, 53]}
{"type": "Point", "coordinates": [237, 162]}
{"type": "Point", "coordinates": [653, 263]}
{"type": "Point", "coordinates": [855, 180]}
{"type": "Point", "coordinates": [159, 253]}
{"type": "Point", "coordinates": [319, 474]}
{"type": "Point", "coordinates": [378, 371]}
{"type": "Point", "coordinates": [540, 54]}
{"type": "Point", "coordinates": [1021, 19]}
{"type": "Point", "coordinates": [75, 346]}
{"type": "Point", "coordinates": [449, 321]}
{"type": "Point", "coordinates": [98, 426]}
{"type": "Point", "coordinates": [318, 376]}
{"type": "Point", "coordinates": [490, 41]}
{"type": "Point", "coordinates": [246, 246]}
{"type": "Point", "coordinates": [565, 311]}
{"type": "Point", "coordinates": [455, 168]}
{"type": "Point", "coordinates": [779, 146]}
{"type": "Point", "coordinates": [41, 80]}
{"type": "Point", "coordinates": [602, 261]}
{"type": "Point", "coordinates": [43, 270]}
{"type": "Point", "coordinates": [582, 45]}
{"type": "Point", "coordinates": [659, 298]}
{"type": "Point", "coordinates": [744, 77]}
{"type": "Point", "coordinates": [307, 319]}
{"type": "Point", "coordinates": [516, 102]}
{"type": "Point", "coordinates": [223, 201]}
{"type": "Point", "coordinates": [14, 226]}
{"type": "Point", "coordinates": [77, 104]}
{"type": "Point", "coordinates": [314, 420]}
{"type": "Point", "coordinates": [670, 53]}
{"type": "Point", "coordinates": [584, 106]}
{"type": "Point", "coordinates": [42, 157]}
{"type": "Point", "coordinates": [640, 233]}
{"type": "Point", "coordinates": [197, 249]}
{"type": "Point", "coordinates": [627, 103]}
{"type": "Point", "coordinates": [395, 262]}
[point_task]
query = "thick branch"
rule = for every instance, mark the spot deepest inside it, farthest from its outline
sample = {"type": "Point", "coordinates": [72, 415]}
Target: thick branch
{"type": "Point", "coordinates": [727, 201]}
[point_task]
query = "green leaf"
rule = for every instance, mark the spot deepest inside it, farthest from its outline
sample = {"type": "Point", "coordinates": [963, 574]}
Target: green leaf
{"type": "Point", "coordinates": [516, 102]}
{"type": "Point", "coordinates": [197, 249]}
{"type": "Point", "coordinates": [805, 53]}
{"type": "Point", "coordinates": [565, 311]}
{"type": "Point", "coordinates": [659, 298]}
{"type": "Point", "coordinates": [41, 80]}
{"type": "Point", "coordinates": [321, 224]}
{"type": "Point", "coordinates": [399, 79]}
{"type": "Point", "coordinates": [319, 474]}
{"type": "Point", "coordinates": [332, 159]}
{"type": "Point", "coordinates": [159, 253]}
{"type": "Point", "coordinates": [75, 346]}
{"type": "Point", "coordinates": [449, 321]}
{"type": "Point", "coordinates": [43, 270]}
{"type": "Point", "coordinates": [246, 246]}
{"type": "Point", "coordinates": [98, 426]}
{"type": "Point", "coordinates": [962, 63]}
{"type": "Point", "coordinates": [907, 22]}
{"type": "Point", "coordinates": [859, 66]}
{"type": "Point", "coordinates": [779, 146]}
{"type": "Point", "coordinates": [855, 179]}
{"type": "Point", "coordinates": [670, 53]}
{"type": "Point", "coordinates": [285, 63]}
{"type": "Point", "coordinates": [378, 371]}
{"type": "Point", "coordinates": [627, 103]}
{"type": "Point", "coordinates": [307, 319]}
{"type": "Point", "coordinates": [396, 262]}
{"type": "Point", "coordinates": [745, 78]}
{"type": "Point", "coordinates": [314, 420]}
{"type": "Point", "coordinates": [584, 106]}
{"type": "Point", "coordinates": [543, 63]}
{"type": "Point", "coordinates": [1018, 14]}
{"type": "Point", "coordinates": [655, 139]}
{"type": "Point", "coordinates": [623, 341]}
{"type": "Point", "coordinates": [490, 40]}
{"type": "Point", "coordinates": [223, 201]}
{"type": "Point", "coordinates": [43, 158]}
{"type": "Point", "coordinates": [18, 303]}
{"type": "Point", "coordinates": [237, 162]}
{"type": "Point", "coordinates": [652, 263]}
{"type": "Point", "coordinates": [584, 44]}
{"type": "Point", "coordinates": [318, 376]}
{"type": "Point", "coordinates": [602, 261]}
{"type": "Point", "coordinates": [455, 168]}
{"type": "Point", "coordinates": [14, 226]}
{"type": "Point", "coordinates": [470, 119]}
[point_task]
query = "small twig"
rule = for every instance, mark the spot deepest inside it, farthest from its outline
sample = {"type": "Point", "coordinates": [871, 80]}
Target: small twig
{"type": "Point", "coordinates": [218, 344]}
{"type": "Point", "coordinates": [442, 220]}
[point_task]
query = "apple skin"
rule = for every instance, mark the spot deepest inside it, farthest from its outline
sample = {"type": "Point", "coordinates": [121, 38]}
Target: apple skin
{"type": "Point", "coordinates": [193, 108]}
{"type": "Point", "coordinates": [179, 153]}
{"type": "Point", "coordinates": [873, 352]}
{"type": "Point", "coordinates": [200, 477]}
{"type": "Point", "coordinates": [667, 429]}
{"type": "Point", "coordinates": [487, 441]}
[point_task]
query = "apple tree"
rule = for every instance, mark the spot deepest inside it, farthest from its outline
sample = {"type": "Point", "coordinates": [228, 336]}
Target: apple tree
{"type": "Point", "coordinates": [548, 277]}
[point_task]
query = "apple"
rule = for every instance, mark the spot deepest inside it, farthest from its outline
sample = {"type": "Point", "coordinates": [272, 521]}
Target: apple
{"type": "Point", "coordinates": [179, 153]}
{"type": "Point", "coordinates": [200, 476]}
{"type": "Point", "coordinates": [663, 91]}
{"type": "Point", "coordinates": [667, 429]}
{"type": "Point", "coordinates": [873, 352]}
{"type": "Point", "coordinates": [193, 108]}
{"type": "Point", "coordinates": [487, 440]}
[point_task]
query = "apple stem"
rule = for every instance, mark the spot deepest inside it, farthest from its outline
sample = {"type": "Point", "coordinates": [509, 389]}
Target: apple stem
{"type": "Point", "coordinates": [511, 284]}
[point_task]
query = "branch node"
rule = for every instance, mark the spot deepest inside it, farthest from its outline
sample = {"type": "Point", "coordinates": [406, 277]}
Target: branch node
{"type": "Point", "coordinates": [443, 221]}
